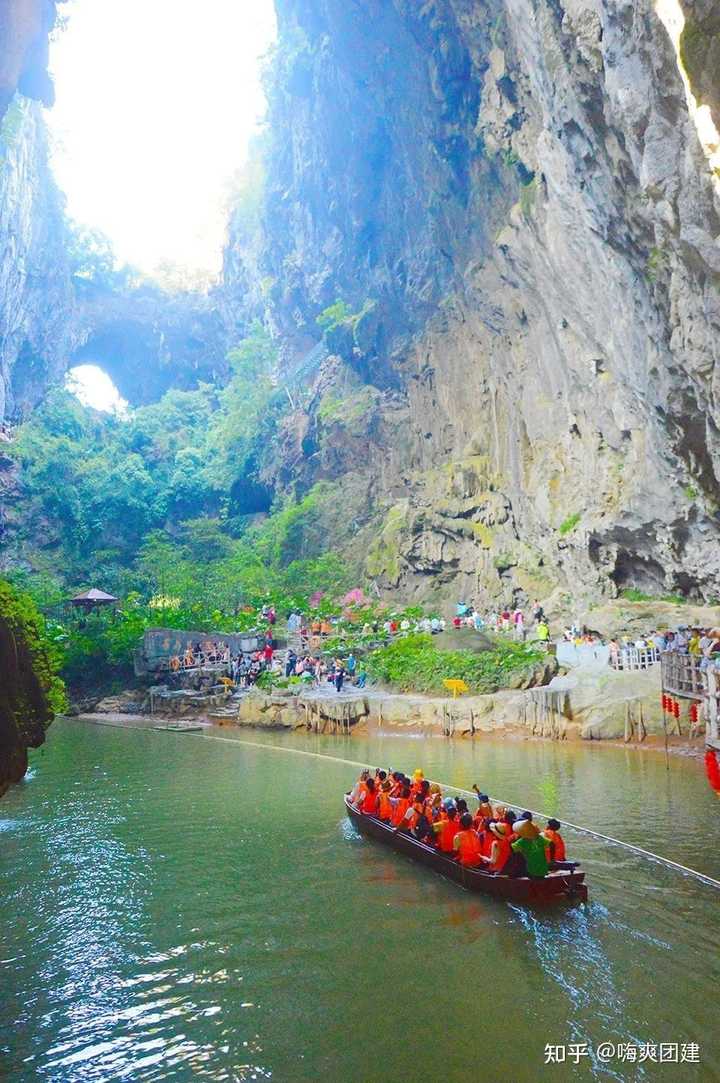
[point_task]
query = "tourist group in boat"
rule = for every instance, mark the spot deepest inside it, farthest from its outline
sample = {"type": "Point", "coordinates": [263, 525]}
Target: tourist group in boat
{"type": "Point", "coordinates": [493, 838]}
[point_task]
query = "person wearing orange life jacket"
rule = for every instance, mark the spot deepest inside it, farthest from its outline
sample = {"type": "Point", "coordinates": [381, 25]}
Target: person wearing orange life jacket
{"type": "Point", "coordinates": [555, 843]}
{"type": "Point", "coordinates": [384, 804]}
{"type": "Point", "coordinates": [467, 844]}
{"type": "Point", "coordinates": [369, 803]}
{"type": "Point", "coordinates": [486, 837]}
{"type": "Point", "coordinates": [445, 831]}
{"type": "Point", "coordinates": [501, 851]}
{"type": "Point", "coordinates": [400, 805]}
{"type": "Point", "coordinates": [435, 796]}
{"type": "Point", "coordinates": [484, 806]}
{"type": "Point", "coordinates": [360, 788]}
{"type": "Point", "coordinates": [417, 818]}
{"type": "Point", "coordinates": [417, 781]}
{"type": "Point", "coordinates": [398, 783]}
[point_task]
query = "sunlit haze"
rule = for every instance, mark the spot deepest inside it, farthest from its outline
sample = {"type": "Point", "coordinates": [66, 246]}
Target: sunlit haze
{"type": "Point", "coordinates": [156, 103]}
{"type": "Point", "coordinates": [94, 388]}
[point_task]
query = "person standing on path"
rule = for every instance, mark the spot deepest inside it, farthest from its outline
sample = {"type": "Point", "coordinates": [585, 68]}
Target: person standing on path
{"type": "Point", "coordinates": [339, 676]}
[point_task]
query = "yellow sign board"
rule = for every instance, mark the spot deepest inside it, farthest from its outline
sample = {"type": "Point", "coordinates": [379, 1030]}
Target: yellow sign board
{"type": "Point", "coordinates": [456, 686]}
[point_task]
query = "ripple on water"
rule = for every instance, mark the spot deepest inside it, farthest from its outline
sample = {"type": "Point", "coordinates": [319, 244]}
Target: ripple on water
{"type": "Point", "coordinates": [183, 909]}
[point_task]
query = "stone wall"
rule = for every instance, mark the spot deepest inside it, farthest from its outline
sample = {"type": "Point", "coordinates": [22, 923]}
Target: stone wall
{"type": "Point", "coordinates": [514, 204]}
{"type": "Point", "coordinates": [590, 706]}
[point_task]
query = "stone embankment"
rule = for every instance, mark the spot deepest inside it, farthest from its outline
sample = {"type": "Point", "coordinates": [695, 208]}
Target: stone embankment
{"type": "Point", "coordinates": [593, 705]}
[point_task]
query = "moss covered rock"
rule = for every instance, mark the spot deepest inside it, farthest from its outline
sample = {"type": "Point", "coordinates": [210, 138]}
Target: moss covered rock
{"type": "Point", "coordinates": [30, 690]}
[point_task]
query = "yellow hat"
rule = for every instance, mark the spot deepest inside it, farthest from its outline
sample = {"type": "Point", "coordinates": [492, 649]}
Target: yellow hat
{"type": "Point", "coordinates": [417, 773]}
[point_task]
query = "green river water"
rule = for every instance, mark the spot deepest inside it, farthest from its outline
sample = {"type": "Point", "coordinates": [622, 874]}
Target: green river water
{"type": "Point", "coordinates": [185, 907]}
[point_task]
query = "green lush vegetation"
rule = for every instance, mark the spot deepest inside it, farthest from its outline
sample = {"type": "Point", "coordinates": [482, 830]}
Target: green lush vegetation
{"type": "Point", "coordinates": [97, 485]}
{"type": "Point", "coordinates": [166, 509]}
{"type": "Point", "coordinates": [415, 664]}
{"type": "Point", "coordinates": [569, 524]}
{"type": "Point", "coordinates": [31, 692]}
{"type": "Point", "coordinates": [341, 326]}
{"type": "Point", "coordinates": [633, 595]}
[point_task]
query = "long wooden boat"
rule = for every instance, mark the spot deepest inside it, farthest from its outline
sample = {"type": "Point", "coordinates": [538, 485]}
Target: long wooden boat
{"type": "Point", "coordinates": [562, 884]}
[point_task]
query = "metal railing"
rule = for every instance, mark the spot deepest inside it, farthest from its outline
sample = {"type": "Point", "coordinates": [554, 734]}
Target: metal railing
{"type": "Point", "coordinates": [633, 658]}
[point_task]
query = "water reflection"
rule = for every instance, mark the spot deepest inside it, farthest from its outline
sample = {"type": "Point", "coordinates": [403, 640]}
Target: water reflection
{"type": "Point", "coordinates": [173, 914]}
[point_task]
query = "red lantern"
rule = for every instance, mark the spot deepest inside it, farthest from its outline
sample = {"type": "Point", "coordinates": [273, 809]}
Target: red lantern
{"type": "Point", "coordinates": [664, 702]}
{"type": "Point", "coordinates": [676, 708]}
{"type": "Point", "coordinates": [712, 769]}
{"type": "Point", "coordinates": [694, 713]}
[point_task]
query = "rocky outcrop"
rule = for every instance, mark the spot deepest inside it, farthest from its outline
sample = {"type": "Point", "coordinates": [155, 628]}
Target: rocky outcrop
{"type": "Point", "coordinates": [24, 29]}
{"type": "Point", "coordinates": [29, 690]}
{"type": "Point", "coordinates": [36, 295]}
{"type": "Point", "coordinates": [700, 52]}
{"type": "Point", "coordinates": [597, 705]}
{"type": "Point", "coordinates": [149, 340]}
{"type": "Point", "coordinates": [516, 209]}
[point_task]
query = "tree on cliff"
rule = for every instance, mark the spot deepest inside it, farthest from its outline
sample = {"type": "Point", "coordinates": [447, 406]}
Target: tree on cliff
{"type": "Point", "coordinates": [31, 693]}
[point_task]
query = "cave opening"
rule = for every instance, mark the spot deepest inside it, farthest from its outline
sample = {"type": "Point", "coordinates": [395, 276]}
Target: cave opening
{"type": "Point", "coordinates": [93, 387]}
{"type": "Point", "coordinates": [152, 161]}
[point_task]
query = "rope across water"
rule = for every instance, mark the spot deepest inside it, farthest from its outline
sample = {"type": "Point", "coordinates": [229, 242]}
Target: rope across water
{"type": "Point", "coordinates": [701, 876]}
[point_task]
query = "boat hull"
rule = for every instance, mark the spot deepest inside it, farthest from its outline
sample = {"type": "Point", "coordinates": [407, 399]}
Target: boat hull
{"type": "Point", "coordinates": [557, 886]}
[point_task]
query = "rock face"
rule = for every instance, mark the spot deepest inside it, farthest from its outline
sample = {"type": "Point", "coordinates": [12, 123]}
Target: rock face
{"type": "Point", "coordinates": [24, 29]}
{"type": "Point", "coordinates": [36, 295]}
{"type": "Point", "coordinates": [149, 341]}
{"type": "Point", "coordinates": [597, 705]}
{"type": "Point", "coordinates": [516, 209]}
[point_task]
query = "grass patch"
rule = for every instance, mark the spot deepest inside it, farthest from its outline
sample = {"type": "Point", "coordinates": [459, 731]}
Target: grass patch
{"type": "Point", "coordinates": [633, 595]}
{"type": "Point", "coordinates": [569, 524]}
{"type": "Point", "coordinates": [415, 664]}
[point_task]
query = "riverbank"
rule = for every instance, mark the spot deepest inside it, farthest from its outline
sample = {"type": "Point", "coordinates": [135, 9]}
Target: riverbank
{"type": "Point", "coordinates": [677, 746]}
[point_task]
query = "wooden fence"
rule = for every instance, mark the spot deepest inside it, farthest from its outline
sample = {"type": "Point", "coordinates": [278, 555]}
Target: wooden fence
{"type": "Point", "coordinates": [682, 676]}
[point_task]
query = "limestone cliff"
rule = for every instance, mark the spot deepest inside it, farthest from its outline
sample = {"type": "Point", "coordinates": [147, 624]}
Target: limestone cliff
{"type": "Point", "coordinates": [516, 208]}
{"type": "Point", "coordinates": [36, 295]}
{"type": "Point", "coordinates": [24, 29]}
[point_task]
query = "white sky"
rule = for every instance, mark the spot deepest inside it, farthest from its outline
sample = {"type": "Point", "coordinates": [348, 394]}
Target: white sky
{"type": "Point", "coordinates": [94, 388]}
{"type": "Point", "coordinates": [156, 102]}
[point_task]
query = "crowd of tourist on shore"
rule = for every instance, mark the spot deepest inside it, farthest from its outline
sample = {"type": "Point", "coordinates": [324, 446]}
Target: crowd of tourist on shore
{"type": "Point", "coordinates": [312, 663]}
{"type": "Point", "coordinates": [494, 838]}
{"type": "Point", "coordinates": [700, 644]}
{"type": "Point", "coordinates": [509, 620]}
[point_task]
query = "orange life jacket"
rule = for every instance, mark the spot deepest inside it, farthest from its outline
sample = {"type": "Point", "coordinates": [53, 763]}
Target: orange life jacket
{"type": "Point", "coordinates": [370, 803]}
{"type": "Point", "coordinates": [503, 853]}
{"type": "Point", "coordinates": [556, 838]}
{"type": "Point", "coordinates": [384, 806]}
{"type": "Point", "coordinates": [418, 811]}
{"type": "Point", "coordinates": [486, 840]}
{"type": "Point", "coordinates": [446, 835]}
{"type": "Point", "coordinates": [399, 810]}
{"type": "Point", "coordinates": [469, 850]}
